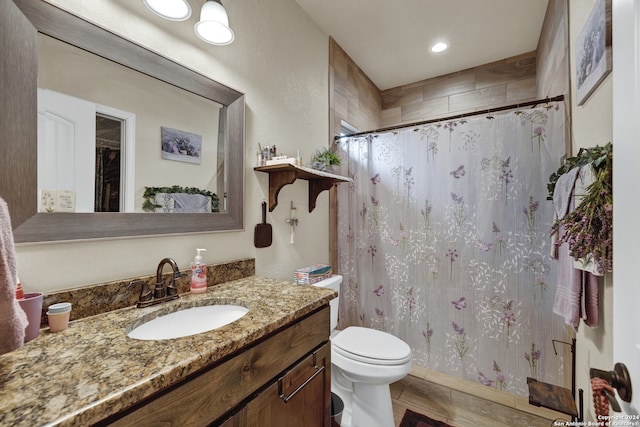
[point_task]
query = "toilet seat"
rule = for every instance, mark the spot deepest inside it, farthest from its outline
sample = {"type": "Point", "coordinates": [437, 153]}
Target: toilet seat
{"type": "Point", "coordinates": [371, 346]}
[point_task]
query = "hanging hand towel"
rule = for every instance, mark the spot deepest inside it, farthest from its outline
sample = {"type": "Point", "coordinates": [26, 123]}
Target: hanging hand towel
{"type": "Point", "coordinates": [576, 291]}
{"type": "Point", "coordinates": [589, 310]}
{"type": "Point", "coordinates": [13, 320]}
{"type": "Point", "coordinates": [563, 191]}
{"type": "Point", "coordinates": [562, 198]}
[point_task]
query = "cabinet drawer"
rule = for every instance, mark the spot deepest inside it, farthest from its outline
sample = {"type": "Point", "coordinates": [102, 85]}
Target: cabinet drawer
{"type": "Point", "coordinates": [300, 397]}
{"type": "Point", "coordinates": [302, 374]}
{"type": "Point", "coordinates": [205, 397]}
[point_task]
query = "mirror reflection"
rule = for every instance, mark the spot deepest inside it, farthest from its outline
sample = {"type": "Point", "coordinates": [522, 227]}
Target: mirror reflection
{"type": "Point", "coordinates": [18, 176]}
{"type": "Point", "coordinates": [111, 139]}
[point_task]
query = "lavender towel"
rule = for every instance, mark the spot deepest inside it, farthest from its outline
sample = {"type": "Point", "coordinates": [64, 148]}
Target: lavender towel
{"type": "Point", "coordinates": [576, 293]}
{"type": "Point", "coordinates": [13, 320]}
{"type": "Point", "coordinates": [567, 302]}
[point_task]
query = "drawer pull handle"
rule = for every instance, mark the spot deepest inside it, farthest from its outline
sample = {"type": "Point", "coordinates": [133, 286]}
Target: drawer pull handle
{"type": "Point", "coordinates": [318, 370]}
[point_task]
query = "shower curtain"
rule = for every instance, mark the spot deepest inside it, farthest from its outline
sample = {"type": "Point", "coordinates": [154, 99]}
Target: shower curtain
{"type": "Point", "coordinates": [444, 242]}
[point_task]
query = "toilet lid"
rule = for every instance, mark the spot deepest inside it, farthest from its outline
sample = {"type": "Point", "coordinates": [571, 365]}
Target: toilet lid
{"type": "Point", "coordinates": [371, 346]}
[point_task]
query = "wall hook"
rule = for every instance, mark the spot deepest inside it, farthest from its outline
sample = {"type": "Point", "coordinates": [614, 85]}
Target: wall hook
{"type": "Point", "coordinates": [293, 222]}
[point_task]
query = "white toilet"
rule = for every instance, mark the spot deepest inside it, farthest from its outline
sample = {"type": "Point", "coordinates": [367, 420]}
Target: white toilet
{"type": "Point", "coordinates": [363, 363]}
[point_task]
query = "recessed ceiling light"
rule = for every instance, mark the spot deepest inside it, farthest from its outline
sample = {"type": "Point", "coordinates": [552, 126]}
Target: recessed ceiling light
{"type": "Point", "coordinates": [174, 10]}
{"type": "Point", "coordinates": [439, 47]}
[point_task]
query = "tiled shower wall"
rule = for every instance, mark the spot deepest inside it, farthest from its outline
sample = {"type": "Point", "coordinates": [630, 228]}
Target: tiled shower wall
{"type": "Point", "coordinates": [500, 83]}
{"type": "Point", "coordinates": [352, 96]}
{"type": "Point", "coordinates": [355, 99]}
{"type": "Point", "coordinates": [553, 52]}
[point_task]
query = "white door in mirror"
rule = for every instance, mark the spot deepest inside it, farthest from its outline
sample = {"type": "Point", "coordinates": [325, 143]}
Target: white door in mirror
{"type": "Point", "coordinates": [72, 134]}
{"type": "Point", "coordinates": [66, 148]}
{"type": "Point", "coordinates": [191, 321]}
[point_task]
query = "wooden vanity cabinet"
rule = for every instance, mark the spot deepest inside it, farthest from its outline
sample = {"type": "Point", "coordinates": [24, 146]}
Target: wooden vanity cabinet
{"type": "Point", "coordinates": [282, 380]}
{"type": "Point", "coordinates": [296, 398]}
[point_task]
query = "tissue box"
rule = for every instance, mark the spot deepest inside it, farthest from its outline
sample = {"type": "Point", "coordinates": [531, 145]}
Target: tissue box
{"type": "Point", "coordinates": [313, 274]}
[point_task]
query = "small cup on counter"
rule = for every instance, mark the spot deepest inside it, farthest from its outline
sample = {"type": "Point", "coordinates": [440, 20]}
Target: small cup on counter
{"type": "Point", "coordinates": [31, 304]}
{"type": "Point", "coordinates": [58, 316]}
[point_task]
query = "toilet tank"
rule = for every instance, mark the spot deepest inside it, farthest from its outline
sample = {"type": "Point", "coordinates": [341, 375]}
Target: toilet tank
{"type": "Point", "coordinates": [332, 282]}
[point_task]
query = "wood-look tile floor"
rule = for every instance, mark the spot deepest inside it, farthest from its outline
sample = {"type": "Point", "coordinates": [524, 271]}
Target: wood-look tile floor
{"type": "Point", "coordinates": [456, 408]}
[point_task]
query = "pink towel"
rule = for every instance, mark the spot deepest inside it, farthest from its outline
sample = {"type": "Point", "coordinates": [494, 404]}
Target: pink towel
{"type": "Point", "coordinates": [576, 292]}
{"type": "Point", "coordinates": [13, 320]}
{"type": "Point", "coordinates": [590, 299]}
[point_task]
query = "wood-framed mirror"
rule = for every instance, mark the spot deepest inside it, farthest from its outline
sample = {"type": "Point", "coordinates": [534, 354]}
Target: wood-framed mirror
{"type": "Point", "coordinates": [21, 21]}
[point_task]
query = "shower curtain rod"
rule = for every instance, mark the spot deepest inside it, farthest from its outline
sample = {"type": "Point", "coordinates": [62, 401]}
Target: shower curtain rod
{"type": "Point", "coordinates": [458, 116]}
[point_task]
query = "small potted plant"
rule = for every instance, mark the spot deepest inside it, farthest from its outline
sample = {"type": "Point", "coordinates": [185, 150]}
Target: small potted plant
{"type": "Point", "coordinates": [325, 160]}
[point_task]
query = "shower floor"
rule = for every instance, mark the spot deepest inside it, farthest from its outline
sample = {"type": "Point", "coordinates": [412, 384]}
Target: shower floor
{"type": "Point", "coordinates": [462, 403]}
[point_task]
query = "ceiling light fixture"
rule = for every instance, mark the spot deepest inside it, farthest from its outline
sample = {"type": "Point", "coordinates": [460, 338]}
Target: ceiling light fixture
{"type": "Point", "coordinates": [439, 47]}
{"type": "Point", "coordinates": [213, 26]}
{"type": "Point", "coordinates": [174, 10]}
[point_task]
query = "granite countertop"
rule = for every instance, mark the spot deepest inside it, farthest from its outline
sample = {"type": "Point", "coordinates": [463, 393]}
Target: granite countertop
{"type": "Point", "coordinates": [92, 369]}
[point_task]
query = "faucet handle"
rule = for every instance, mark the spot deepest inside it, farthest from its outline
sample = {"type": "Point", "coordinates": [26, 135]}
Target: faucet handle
{"type": "Point", "coordinates": [172, 289]}
{"type": "Point", "coordinates": [145, 291]}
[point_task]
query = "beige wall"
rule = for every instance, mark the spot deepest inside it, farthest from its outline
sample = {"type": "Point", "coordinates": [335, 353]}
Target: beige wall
{"type": "Point", "coordinates": [279, 60]}
{"type": "Point", "coordinates": [592, 124]}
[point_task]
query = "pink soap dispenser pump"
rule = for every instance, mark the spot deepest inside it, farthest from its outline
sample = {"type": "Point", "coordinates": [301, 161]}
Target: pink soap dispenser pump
{"type": "Point", "coordinates": [198, 274]}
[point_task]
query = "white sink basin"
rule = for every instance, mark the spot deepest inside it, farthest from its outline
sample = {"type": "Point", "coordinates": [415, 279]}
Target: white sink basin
{"type": "Point", "coordinates": [191, 321]}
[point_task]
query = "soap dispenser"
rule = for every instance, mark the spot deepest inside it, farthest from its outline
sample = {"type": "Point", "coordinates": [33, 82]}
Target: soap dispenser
{"type": "Point", "coordinates": [198, 274]}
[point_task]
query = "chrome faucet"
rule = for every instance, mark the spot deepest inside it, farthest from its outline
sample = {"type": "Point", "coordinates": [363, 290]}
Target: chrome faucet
{"type": "Point", "coordinates": [160, 292]}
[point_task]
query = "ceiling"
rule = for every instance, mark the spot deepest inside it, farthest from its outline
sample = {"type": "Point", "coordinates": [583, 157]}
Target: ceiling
{"type": "Point", "coordinates": [390, 39]}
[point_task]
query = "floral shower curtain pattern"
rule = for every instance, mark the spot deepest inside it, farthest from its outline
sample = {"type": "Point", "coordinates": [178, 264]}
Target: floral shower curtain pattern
{"type": "Point", "coordinates": [444, 242]}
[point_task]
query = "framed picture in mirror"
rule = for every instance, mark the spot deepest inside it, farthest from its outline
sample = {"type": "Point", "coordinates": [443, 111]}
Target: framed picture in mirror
{"type": "Point", "coordinates": [181, 146]}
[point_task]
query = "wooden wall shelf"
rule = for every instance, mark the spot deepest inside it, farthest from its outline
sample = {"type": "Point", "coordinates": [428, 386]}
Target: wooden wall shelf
{"type": "Point", "coordinates": [551, 396]}
{"type": "Point", "coordinates": [281, 175]}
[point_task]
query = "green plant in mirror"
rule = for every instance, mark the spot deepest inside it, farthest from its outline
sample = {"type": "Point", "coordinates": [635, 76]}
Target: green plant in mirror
{"type": "Point", "coordinates": [150, 193]}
